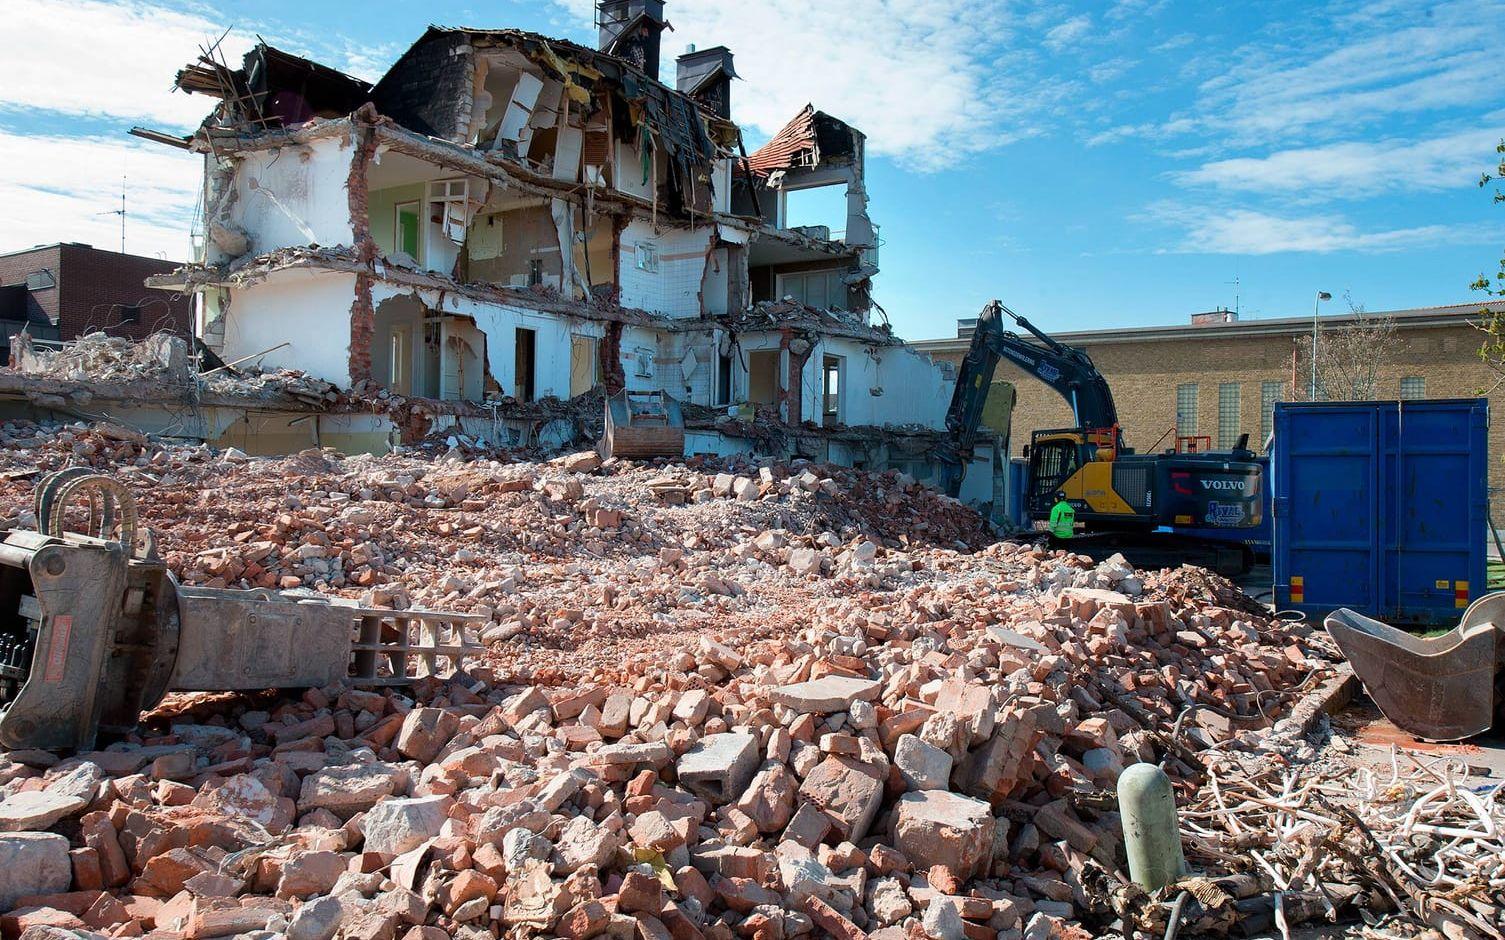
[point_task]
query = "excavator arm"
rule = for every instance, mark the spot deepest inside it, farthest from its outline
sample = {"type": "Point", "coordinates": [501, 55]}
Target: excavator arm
{"type": "Point", "coordinates": [1066, 369]}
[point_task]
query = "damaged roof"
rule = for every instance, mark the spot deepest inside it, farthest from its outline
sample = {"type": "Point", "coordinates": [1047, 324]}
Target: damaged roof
{"type": "Point", "coordinates": [792, 314]}
{"type": "Point", "coordinates": [809, 139]}
{"type": "Point", "coordinates": [275, 88]}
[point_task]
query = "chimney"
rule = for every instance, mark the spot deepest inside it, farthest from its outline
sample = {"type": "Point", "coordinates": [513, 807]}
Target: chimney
{"type": "Point", "coordinates": [630, 30]}
{"type": "Point", "coordinates": [706, 75]}
{"type": "Point", "coordinates": [1214, 316]}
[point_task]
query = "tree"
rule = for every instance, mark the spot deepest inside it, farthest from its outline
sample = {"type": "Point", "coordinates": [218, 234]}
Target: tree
{"type": "Point", "coordinates": [1492, 318]}
{"type": "Point", "coordinates": [1349, 356]}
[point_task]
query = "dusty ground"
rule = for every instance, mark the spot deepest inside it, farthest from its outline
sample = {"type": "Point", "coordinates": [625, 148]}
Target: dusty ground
{"type": "Point", "coordinates": [633, 617]}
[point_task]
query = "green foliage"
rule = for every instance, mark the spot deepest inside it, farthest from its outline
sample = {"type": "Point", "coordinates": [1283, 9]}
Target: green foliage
{"type": "Point", "coordinates": [1492, 322]}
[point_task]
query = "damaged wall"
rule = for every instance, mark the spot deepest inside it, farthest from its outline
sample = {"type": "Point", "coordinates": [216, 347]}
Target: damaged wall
{"type": "Point", "coordinates": [307, 310]}
{"type": "Point", "coordinates": [661, 271]}
{"type": "Point", "coordinates": [516, 247]}
{"type": "Point", "coordinates": [914, 391]}
{"type": "Point", "coordinates": [293, 196]}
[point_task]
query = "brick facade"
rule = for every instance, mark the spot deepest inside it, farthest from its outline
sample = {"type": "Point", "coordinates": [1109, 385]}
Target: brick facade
{"type": "Point", "coordinates": [97, 290]}
{"type": "Point", "coordinates": [1144, 367]}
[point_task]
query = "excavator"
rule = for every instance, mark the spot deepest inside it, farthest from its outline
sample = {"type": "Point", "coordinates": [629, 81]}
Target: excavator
{"type": "Point", "coordinates": [1127, 501]}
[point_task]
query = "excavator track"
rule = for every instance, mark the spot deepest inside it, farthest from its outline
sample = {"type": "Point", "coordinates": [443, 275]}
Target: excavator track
{"type": "Point", "coordinates": [1153, 550]}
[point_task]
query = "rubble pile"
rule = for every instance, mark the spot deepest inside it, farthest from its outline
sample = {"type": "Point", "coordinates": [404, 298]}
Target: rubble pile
{"type": "Point", "coordinates": [783, 703]}
{"type": "Point", "coordinates": [97, 357]}
{"type": "Point", "coordinates": [569, 555]}
{"type": "Point", "coordinates": [162, 359]}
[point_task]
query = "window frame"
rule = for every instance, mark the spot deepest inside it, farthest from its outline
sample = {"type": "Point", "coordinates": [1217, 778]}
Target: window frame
{"type": "Point", "coordinates": [1267, 404]}
{"type": "Point", "coordinates": [1194, 400]}
{"type": "Point", "coordinates": [1228, 437]}
{"type": "Point", "coordinates": [416, 206]}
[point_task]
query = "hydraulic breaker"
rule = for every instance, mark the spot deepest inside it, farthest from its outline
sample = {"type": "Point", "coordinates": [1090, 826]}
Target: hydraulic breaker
{"type": "Point", "coordinates": [94, 629]}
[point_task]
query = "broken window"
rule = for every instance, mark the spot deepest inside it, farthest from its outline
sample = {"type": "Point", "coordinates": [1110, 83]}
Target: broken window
{"type": "Point", "coordinates": [820, 211]}
{"type": "Point", "coordinates": [825, 290]}
{"type": "Point", "coordinates": [448, 208]}
{"type": "Point", "coordinates": [524, 364]}
{"type": "Point", "coordinates": [642, 358]}
{"type": "Point", "coordinates": [647, 257]}
{"type": "Point", "coordinates": [831, 390]}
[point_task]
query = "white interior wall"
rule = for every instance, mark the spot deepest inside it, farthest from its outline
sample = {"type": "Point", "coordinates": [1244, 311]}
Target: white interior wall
{"type": "Point", "coordinates": [674, 289]}
{"type": "Point", "coordinates": [914, 392]}
{"type": "Point", "coordinates": [499, 324]}
{"type": "Point", "coordinates": [294, 196]}
{"type": "Point", "coordinates": [308, 310]}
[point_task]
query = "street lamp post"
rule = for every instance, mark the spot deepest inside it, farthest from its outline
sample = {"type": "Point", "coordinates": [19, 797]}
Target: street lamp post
{"type": "Point", "coordinates": [1311, 394]}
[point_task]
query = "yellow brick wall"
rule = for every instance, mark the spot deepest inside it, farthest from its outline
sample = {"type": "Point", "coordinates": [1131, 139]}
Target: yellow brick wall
{"type": "Point", "coordinates": [1144, 376]}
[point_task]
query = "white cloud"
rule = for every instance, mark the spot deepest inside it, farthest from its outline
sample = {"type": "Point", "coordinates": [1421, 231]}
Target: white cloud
{"type": "Point", "coordinates": [923, 80]}
{"type": "Point", "coordinates": [1239, 231]}
{"type": "Point", "coordinates": [1110, 69]}
{"type": "Point", "coordinates": [1352, 169]}
{"type": "Point", "coordinates": [62, 189]}
{"type": "Point", "coordinates": [1132, 9]}
{"type": "Point", "coordinates": [116, 60]}
{"type": "Point", "coordinates": [1400, 59]}
{"type": "Point", "coordinates": [1068, 32]}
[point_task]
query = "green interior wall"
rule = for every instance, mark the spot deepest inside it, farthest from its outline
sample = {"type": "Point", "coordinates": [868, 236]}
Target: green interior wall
{"type": "Point", "coordinates": [382, 206]}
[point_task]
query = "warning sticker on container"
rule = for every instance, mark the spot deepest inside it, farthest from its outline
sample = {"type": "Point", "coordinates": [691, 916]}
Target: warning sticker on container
{"type": "Point", "coordinates": [1298, 589]}
{"type": "Point", "coordinates": [1442, 585]}
{"type": "Point", "coordinates": [57, 649]}
{"type": "Point", "coordinates": [1460, 593]}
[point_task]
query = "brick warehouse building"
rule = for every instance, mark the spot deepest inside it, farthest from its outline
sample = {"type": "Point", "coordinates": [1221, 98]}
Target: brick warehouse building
{"type": "Point", "coordinates": [1221, 376]}
{"type": "Point", "coordinates": [66, 290]}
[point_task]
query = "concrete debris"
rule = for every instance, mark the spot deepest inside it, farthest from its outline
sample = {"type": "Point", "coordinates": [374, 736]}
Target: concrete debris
{"type": "Point", "coordinates": [672, 733]}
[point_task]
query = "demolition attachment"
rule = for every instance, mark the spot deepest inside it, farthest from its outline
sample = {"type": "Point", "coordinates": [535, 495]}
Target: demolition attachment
{"type": "Point", "coordinates": [94, 629]}
{"type": "Point", "coordinates": [1441, 688]}
{"type": "Point", "coordinates": [642, 424]}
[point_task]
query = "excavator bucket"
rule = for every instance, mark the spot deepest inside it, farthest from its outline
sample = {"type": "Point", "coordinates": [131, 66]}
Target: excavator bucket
{"type": "Point", "coordinates": [1441, 688]}
{"type": "Point", "coordinates": [643, 424]}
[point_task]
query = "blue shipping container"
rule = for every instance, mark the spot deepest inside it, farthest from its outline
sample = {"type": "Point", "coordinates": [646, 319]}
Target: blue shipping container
{"type": "Point", "coordinates": [1381, 506]}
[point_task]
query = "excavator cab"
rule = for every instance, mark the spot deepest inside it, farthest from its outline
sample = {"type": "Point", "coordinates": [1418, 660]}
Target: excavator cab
{"type": "Point", "coordinates": [1107, 487]}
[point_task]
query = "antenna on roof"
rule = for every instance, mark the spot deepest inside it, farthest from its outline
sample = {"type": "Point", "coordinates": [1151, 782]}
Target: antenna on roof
{"type": "Point", "coordinates": [120, 212]}
{"type": "Point", "coordinates": [1235, 283]}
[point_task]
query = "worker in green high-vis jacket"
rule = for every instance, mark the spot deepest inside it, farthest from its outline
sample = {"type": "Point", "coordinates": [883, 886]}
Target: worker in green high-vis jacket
{"type": "Point", "coordinates": [1062, 517]}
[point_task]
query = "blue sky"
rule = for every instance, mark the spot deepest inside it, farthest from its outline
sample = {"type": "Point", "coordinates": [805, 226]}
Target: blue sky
{"type": "Point", "coordinates": [1091, 164]}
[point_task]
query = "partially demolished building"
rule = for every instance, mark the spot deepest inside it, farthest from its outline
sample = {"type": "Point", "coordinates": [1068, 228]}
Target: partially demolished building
{"type": "Point", "coordinates": [505, 217]}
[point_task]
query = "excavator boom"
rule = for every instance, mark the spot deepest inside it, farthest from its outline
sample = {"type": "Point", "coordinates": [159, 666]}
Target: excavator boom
{"type": "Point", "coordinates": [1066, 369]}
{"type": "Point", "coordinates": [1113, 490]}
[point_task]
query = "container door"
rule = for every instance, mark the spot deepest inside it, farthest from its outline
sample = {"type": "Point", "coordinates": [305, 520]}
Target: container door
{"type": "Point", "coordinates": [1326, 505]}
{"type": "Point", "coordinates": [1440, 506]}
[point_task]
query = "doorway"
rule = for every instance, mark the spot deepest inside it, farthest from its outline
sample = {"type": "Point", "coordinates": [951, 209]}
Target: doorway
{"type": "Point", "coordinates": [525, 364]}
{"type": "Point", "coordinates": [830, 391]}
{"type": "Point", "coordinates": [585, 364]}
{"type": "Point", "coordinates": [763, 376]}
